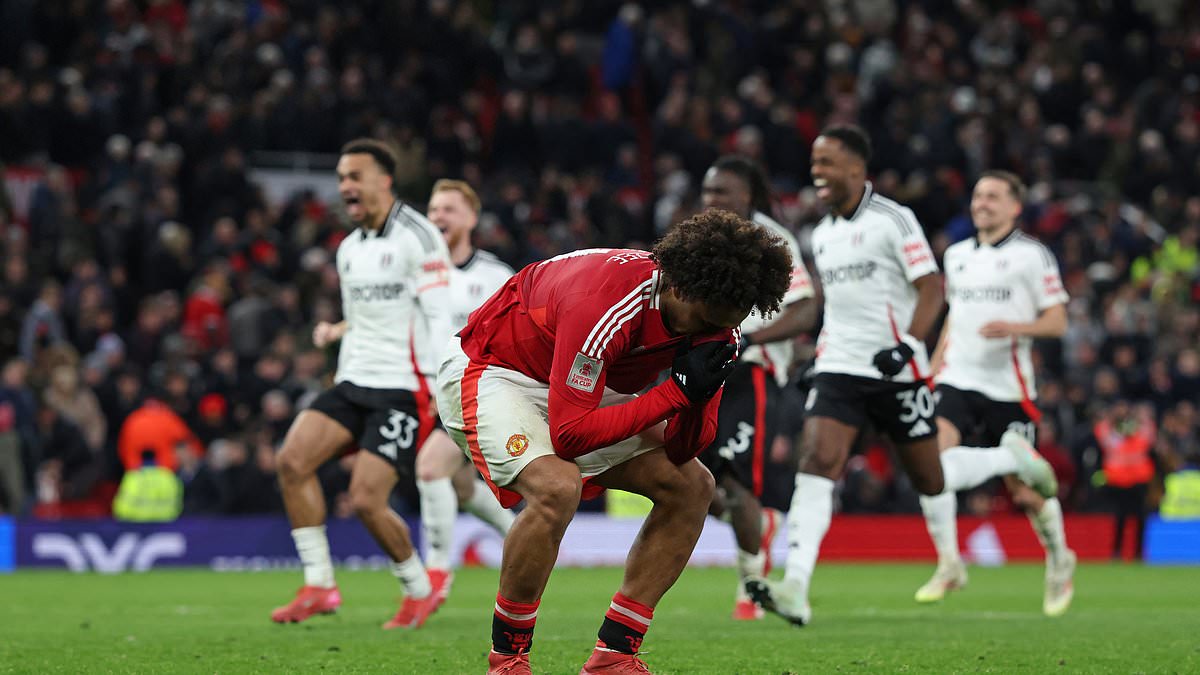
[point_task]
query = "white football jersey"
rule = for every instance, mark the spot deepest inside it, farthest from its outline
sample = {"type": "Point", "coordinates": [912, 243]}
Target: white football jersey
{"type": "Point", "coordinates": [474, 282]}
{"type": "Point", "coordinates": [777, 356]}
{"type": "Point", "coordinates": [867, 263]}
{"type": "Point", "coordinates": [396, 302]}
{"type": "Point", "coordinates": [1013, 280]}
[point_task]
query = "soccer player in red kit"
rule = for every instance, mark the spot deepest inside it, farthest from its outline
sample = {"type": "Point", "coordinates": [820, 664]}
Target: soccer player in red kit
{"type": "Point", "coordinates": [542, 392]}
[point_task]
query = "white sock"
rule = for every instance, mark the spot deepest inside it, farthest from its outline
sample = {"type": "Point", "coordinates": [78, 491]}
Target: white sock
{"type": "Point", "coordinates": [413, 577]}
{"type": "Point", "coordinates": [484, 506]}
{"type": "Point", "coordinates": [1048, 524]}
{"type": "Point", "coordinates": [439, 508]}
{"type": "Point", "coordinates": [313, 547]}
{"type": "Point", "coordinates": [965, 468]}
{"type": "Point", "coordinates": [751, 564]}
{"type": "Point", "coordinates": [941, 519]}
{"type": "Point", "coordinates": [807, 522]}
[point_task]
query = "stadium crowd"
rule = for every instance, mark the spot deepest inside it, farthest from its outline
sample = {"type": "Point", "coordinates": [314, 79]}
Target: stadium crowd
{"type": "Point", "coordinates": [144, 269]}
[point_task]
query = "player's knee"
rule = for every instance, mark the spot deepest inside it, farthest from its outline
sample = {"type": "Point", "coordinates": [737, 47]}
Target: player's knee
{"type": "Point", "coordinates": [929, 485]}
{"type": "Point", "coordinates": [692, 485]}
{"type": "Point", "coordinates": [821, 463]}
{"type": "Point", "coordinates": [427, 471]}
{"type": "Point", "coordinates": [366, 502]}
{"type": "Point", "coordinates": [555, 499]}
{"type": "Point", "coordinates": [291, 464]}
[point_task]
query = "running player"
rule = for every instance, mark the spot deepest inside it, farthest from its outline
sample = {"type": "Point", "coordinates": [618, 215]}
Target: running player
{"type": "Point", "coordinates": [540, 391]}
{"type": "Point", "coordinates": [748, 482]}
{"type": "Point", "coordinates": [883, 294]}
{"type": "Point", "coordinates": [1004, 290]}
{"type": "Point", "coordinates": [445, 478]}
{"type": "Point", "coordinates": [394, 270]}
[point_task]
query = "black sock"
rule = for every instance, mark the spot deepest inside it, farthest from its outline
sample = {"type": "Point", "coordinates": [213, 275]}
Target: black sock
{"type": "Point", "coordinates": [512, 626]}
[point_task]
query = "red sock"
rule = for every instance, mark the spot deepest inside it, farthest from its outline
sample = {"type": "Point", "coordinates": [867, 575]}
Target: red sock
{"type": "Point", "coordinates": [512, 625]}
{"type": "Point", "coordinates": [625, 624]}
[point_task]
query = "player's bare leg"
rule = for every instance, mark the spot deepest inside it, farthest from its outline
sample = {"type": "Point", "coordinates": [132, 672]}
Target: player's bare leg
{"type": "Point", "coordinates": [745, 515]}
{"type": "Point", "coordinates": [371, 485]}
{"type": "Point", "coordinates": [922, 462]}
{"type": "Point", "coordinates": [824, 446]}
{"type": "Point", "coordinates": [551, 487]}
{"type": "Point", "coordinates": [941, 519]}
{"type": "Point", "coordinates": [312, 439]}
{"type": "Point", "coordinates": [1045, 515]}
{"type": "Point", "coordinates": [681, 495]}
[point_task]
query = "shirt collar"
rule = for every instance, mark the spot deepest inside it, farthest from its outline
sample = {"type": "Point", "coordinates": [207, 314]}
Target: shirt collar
{"type": "Point", "coordinates": [383, 231]}
{"type": "Point", "coordinates": [1012, 234]}
{"type": "Point", "coordinates": [868, 190]}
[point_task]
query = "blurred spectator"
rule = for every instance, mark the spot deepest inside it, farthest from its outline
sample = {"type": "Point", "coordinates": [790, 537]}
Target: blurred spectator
{"type": "Point", "coordinates": [66, 469]}
{"type": "Point", "coordinates": [1126, 438]}
{"type": "Point", "coordinates": [149, 494]}
{"type": "Point", "coordinates": [155, 427]}
{"type": "Point", "coordinates": [77, 404]}
{"type": "Point", "coordinates": [12, 465]}
{"type": "Point", "coordinates": [43, 325]}
{"type": "Point", "coordinates": [212, 419]}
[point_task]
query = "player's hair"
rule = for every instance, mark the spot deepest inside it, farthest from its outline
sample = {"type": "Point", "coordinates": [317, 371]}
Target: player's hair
{"type": "Point", "coordinates": [1012, 180]}
{"type": "Point", "coordinates": [853, 138]}
{"type": "Point", "coordinates": [381, 152]}
{"type": "Point", "coordinates": [753, 175]}
{"type": "Point", "coordinates": [717, 257]}
{"type": "Point", "coordinates": [460, 186]}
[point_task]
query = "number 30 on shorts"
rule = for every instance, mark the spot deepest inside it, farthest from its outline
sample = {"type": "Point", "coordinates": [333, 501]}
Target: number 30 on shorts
{"type": "Point", "coordinates": [917, 404]}
{"type": "Point", "coordinates": [401, 428]}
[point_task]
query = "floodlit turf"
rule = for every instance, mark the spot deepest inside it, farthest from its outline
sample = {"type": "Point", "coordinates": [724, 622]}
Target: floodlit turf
{"type": "Point", "coordinates": [1126, 619]}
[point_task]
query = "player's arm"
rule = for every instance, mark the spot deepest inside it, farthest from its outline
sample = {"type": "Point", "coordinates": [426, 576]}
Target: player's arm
{"type": "Point", "coordinates": [796, 318]}
{"type": "Point", "coordinates": [1051, 323]}
{"type": "Point", "coordinates": [585, 346]}
{"type": "Point", "coordinates": [939, 351]}
{"type": "Point", "coordinates": [799, 308]}
{"type": "Point", "coordinates": [431, 277]}
{"type": "Point", "coordinates": [930, 298]}
{"type": "Point", "coordinates": [920, 268]}
{"type": "Point", "coordinates": [325, 333]}
{"type": "Point", "coordinates": [692, 430]}
{"type": "Point", "coordinates": [1046, 285]}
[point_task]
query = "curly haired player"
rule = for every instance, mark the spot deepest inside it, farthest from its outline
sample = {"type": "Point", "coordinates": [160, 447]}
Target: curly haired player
{"type": "Point", "coordinates": [539, 391]}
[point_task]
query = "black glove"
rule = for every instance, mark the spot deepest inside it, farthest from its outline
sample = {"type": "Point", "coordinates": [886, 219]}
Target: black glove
{"type": "Point", "coordinates": [891, 361]}
{"type": "Point", "coordinates": [700, 371]}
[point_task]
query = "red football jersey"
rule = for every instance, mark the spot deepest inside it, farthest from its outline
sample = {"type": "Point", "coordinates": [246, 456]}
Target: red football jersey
{"type": "Point", "coordinates": [584, 321]}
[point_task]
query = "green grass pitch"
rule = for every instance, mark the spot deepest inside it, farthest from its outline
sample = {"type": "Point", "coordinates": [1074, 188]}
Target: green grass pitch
{"type": "Point", "coordinates": [1126, 619]}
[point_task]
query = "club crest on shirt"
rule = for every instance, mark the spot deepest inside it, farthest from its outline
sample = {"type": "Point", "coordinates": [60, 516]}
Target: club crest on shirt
{"type": "Point", "coordinates": [584, 373]}
{"type": "Point", "coordinates": [517, 444]}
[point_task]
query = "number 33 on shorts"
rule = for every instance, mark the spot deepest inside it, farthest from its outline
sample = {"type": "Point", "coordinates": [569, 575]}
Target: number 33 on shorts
{"type": "Point", "coordinates": [401, 429]}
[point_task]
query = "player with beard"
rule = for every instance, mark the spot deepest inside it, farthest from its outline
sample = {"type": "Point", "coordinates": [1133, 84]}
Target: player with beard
{"type": "Point", "coordinates": [394, 276]}
{"type": "Point", "coordinates": [883, 294]}
{"type": "Point", "coordinates": [753, 488]}
{"type": "Point", "coordinates": [1004, 290]}
{"type": "Point", "coordinates": [445, 478]}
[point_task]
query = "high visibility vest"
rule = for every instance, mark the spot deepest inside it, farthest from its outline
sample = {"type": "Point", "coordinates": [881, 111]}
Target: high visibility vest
{"type": "Point", "coordinates": [1181, 498]}
{"type": "Point", "coordinates": [1126, 458]}
{"type": "Point", "coordinates": [151, 494]}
